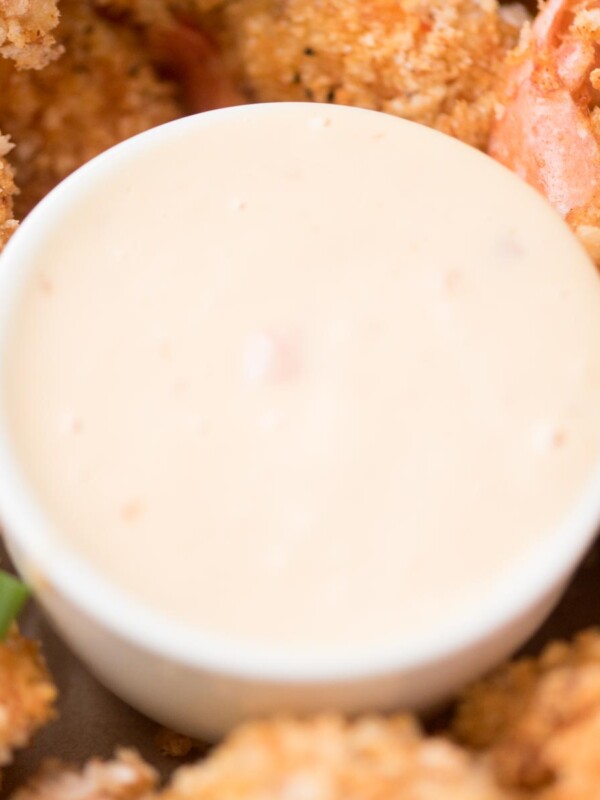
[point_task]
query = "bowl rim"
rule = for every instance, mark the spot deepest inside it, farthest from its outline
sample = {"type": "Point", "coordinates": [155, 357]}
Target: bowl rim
{"type": "Point", "coordinates": [48, 560]}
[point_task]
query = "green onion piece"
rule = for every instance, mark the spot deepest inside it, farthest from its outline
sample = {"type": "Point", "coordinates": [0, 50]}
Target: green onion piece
{"type": "Point", "coordinates": [13, 594]}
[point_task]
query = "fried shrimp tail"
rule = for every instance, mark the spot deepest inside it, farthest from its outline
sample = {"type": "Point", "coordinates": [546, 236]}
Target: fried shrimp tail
{"type": "Point", "coordinates": [547, 128]}
{"type": "Point", "coordinates": [190, 57]}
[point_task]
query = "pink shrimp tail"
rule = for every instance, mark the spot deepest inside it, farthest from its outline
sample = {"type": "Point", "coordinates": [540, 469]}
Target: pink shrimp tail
{"type": "Point", "coordinates": [193, 59]}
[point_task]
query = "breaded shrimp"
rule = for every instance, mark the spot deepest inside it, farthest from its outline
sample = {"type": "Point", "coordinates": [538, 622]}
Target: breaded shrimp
{"type": "Point", "coordinates": [102, 90]}
{"type": "Point", "coordinates": [324, 758]}
{"type": "Point", "coordinates": [434, 62]}
{"type": "Point", "coordinates": [7, 191]}
{"type": "Point", "coordinates": [548, 123]}
{"type": "Point", "coordinates": [539, 720]}
{"type": "Point", "coordinates": [328, 758]}
{"type": "Point", "coordinates": [27, 694]}
{"type": "Point", "coordinates": [25, 32]}
{"type": "Point", "coordinates": [126, 777]}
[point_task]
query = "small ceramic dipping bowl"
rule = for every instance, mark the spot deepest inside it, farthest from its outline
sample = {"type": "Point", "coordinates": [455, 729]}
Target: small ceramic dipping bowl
{"type": "Point", "coordinates": [197, 681]}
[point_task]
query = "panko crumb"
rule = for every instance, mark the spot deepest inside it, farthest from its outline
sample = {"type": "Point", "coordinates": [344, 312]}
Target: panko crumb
{"type": "Point", "coordinates": [173, 745]}
{"type": "Point", "coordinates": [436, 63]}
{"type": "Point", "coordinates": [329, 758]}
{"type": "Point", "coordinates": [102, 90]}
{"type": "Point", "coordinates": [8, 224]}
{"type": "Point", "coordinates": [25, 32]}
{"type": "Point", "coordinates": [539, 719]}
{"type": "Point", "coordinates": [127, 777]}
{"type": "Point", "coordinates": [27, 694]}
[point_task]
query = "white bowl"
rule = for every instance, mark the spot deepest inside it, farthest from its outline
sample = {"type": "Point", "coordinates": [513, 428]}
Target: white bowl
{"type": "Point", "coordinates": [201, 685]}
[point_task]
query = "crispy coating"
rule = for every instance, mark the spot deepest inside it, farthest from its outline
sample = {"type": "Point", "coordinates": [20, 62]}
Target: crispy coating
{"type": "Point", "coordinates": [101, 91]}
{"type": "Point", "coordinates": [172, 744]}
{"type": "Point", "coordinates": [324, 758]}
{"type": "Point", "coordinates": [27, 694]}
{"type": "Point", "coordinates": [126, 777]}
{"type": "Point", "coordinates": [328, 758]}
{"type": "Point", "coordinates": [7, 192]}
{"type": "Point", "coordinates": [434, 62]}
{"type": "Point", "coordinates": [540, 720]}
{"type": "Point", "coordinates": [25, 32]}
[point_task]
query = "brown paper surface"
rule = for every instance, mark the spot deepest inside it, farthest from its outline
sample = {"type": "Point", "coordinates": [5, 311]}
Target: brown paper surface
{"type": "Point", "coordinates": [92, 721]}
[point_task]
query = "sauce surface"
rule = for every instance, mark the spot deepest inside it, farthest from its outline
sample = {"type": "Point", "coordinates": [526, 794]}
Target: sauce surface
{"type": "Point", "coordinates": [307, 376]}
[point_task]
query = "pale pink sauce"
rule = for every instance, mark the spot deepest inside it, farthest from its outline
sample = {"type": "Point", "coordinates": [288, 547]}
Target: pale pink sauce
{"type": "Point", "coordinates": [308, 377]}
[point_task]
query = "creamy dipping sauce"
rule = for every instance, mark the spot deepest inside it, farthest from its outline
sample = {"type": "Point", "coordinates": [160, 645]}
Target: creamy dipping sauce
{"type": "Point", "coordinates": [306, 376]}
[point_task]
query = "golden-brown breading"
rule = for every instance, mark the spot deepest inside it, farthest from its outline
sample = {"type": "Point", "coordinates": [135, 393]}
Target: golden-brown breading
{"type": "Point", "coordinates": [323, 758]}
{"type": "Point", "coordinates": [126, 777]}
{"type": "Point", "coordinates": [27, 694]}
{"type": "Point", "coordinates": [491, 707]}
{"type": "Point", "coordinates": [540, 720]}
{"type": "Point", "coordinates": [172, 744]}
{"type": "Point", "coordinates": [101, 91]}
{"type": "Point", "coordinates": [434, 62]}
{"type": "Point", "coordinates": [7, 191]}
{"type": "Point", "coordinates": [328, 758]}
{"type": "Point", "coordinates": [25, 32]}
